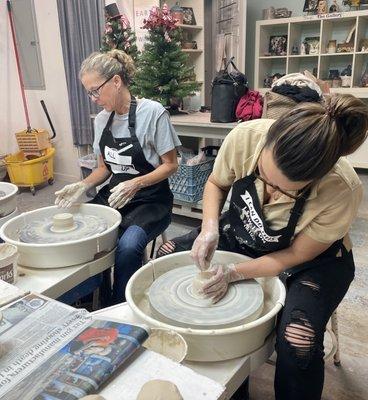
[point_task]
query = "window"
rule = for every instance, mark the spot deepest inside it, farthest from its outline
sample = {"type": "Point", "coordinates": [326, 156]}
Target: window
{"type": "Point", "coordinates": [25, 25]}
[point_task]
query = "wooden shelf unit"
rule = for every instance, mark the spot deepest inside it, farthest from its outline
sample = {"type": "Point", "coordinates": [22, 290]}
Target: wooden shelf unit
{"type": "Point", "coordinates": [327, 27]}
{"type": "Point", "coordinates": [194, 32]}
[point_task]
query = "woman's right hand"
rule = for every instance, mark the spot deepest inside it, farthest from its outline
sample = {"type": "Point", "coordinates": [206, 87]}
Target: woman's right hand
{"type": "Point", "coordinates": [70, 194]}
{"type": "Point", "coordinates": [205, 245]}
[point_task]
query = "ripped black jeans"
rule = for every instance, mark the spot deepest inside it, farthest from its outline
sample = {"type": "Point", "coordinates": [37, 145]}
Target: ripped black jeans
{"type": "Point", "coordinates": [312, 296]}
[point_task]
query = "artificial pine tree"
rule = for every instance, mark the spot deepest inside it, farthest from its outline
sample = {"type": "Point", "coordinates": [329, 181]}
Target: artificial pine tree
{"type": "Point", "coordinates": [119, 35]}
{"type": "Point", "coordinates": [163, 73]}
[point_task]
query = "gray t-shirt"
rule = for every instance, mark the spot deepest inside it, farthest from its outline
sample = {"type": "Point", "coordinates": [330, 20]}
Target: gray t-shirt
{"type": "Point", "coordinates": [154, 130]}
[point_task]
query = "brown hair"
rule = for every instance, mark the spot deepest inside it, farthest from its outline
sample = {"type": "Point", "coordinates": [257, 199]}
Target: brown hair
{"type": "Point", "coordinates": [114, 62]}
{"type": "Point", "coordinates": [308, 140]}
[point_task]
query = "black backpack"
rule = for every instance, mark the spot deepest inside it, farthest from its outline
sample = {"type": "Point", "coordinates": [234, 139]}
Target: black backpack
{"type": "Point", "coordinates": [227, 89]}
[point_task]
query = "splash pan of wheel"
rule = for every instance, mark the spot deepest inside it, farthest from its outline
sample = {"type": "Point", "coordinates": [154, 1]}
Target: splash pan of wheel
{"type": "Point", "coordinates": [51, 238]}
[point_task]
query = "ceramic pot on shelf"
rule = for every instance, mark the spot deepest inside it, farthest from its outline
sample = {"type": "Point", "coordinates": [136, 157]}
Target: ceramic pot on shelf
{"type": "Point", "coordinates": [331, 46]}
{"type": "Point", "coordinates": [345, 81]}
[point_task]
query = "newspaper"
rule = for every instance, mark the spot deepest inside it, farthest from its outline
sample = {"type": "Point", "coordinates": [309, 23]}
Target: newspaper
{"type": "Point", "coordinates": [9, 293]}
{"type": "Point", "coordinates": [56, 352]}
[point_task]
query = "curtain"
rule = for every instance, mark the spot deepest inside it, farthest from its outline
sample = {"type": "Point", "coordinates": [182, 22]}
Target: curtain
{"type": "Point", "coordinates": [81, 27]}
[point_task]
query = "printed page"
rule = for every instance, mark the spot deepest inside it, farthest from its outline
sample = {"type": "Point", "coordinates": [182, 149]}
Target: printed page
{"type": "Point", "coordinates": [9, 293]}
{"type": "Point", "coordinates": [54, 351]}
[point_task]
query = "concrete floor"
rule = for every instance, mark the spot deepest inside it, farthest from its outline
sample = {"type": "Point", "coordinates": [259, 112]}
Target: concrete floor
{"type": "Point", "coordinates": [347, 382]}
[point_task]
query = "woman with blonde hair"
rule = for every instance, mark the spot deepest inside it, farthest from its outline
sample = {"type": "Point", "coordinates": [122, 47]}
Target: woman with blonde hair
{"type": "Point", "coordinates": [136, 146]}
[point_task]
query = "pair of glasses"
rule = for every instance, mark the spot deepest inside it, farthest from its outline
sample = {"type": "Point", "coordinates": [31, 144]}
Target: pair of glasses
{"type": "Point", "coordinates": [96, 92]}
{"type": "Point", "coordinates": [288, 194]}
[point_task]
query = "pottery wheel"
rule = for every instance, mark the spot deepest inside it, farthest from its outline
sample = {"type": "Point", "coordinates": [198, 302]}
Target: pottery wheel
{"type": "Point", "coordinates": [41, 230]}
{"type": "Point", "coordinates": [172, 301]}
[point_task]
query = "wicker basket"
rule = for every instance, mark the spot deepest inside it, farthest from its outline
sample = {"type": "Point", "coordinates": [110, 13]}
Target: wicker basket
{"type": "Point", "coordinates": [33, 141]}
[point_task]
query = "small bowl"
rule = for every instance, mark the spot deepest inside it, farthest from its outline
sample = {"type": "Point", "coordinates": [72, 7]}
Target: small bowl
{"type": "Point", "coordinates": [168, 343]}
{"type": "Point", "coordinates": [187, 45]}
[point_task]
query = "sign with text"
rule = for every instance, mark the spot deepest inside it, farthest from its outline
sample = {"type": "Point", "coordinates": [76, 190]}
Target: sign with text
{"type": "Point", "coordinates": [141, 12]}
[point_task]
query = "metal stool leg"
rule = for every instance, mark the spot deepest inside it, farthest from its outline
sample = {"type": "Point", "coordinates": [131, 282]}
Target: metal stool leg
{"type": "Point", "coordinates": [153, 248]}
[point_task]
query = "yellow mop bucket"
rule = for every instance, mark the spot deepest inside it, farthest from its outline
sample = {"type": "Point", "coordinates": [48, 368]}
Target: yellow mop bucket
{"type": "Point", "coordinates": [29, 173]}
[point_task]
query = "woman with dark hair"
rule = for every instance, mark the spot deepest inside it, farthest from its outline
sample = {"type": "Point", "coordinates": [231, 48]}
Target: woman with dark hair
{"type": "Point", "coordinates": [136, 147]}
{"type": "Point", "coordinates": [294, 198]}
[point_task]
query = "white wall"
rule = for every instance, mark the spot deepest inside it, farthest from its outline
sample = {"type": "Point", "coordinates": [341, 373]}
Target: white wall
{"type": "Point", "coordinates": [55, 96]}
{"type": "Point", "coordinates": [254, 13]}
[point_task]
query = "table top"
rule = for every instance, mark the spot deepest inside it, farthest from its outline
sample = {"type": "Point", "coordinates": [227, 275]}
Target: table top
{"type": "Point", "coordinates": [54, 282]}
{"type": "Point", "coordinates": [200, 119]}
{"type": "Point", "coordinates": [230, 373]}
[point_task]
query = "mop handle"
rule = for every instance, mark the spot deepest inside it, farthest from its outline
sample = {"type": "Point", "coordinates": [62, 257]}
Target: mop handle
{"type": "Point", "coordinates": [18, 66]}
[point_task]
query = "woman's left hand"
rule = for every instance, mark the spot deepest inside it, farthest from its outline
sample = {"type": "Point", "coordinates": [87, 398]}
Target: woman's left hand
{"type": "Point", "coordinates": [122, 193]}
{"type": "Point", "coordinates": [218, 285]}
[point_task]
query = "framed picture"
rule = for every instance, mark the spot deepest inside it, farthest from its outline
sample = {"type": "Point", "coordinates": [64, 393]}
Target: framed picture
{"type": "Point", "coordinates": [278, 45]}
{"type": "Point", "coordinates": [188, 16]}
{"type": "Point", "coordinates": [312, 45]}
{"type": "Point", "coordinates": [310, 6]}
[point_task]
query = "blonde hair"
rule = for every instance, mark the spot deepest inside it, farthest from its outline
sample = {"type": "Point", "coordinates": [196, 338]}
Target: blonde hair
{"type": "Point", "coordinates": [114, 62]}
{"type": "Point", "coordinates": [308, 140]}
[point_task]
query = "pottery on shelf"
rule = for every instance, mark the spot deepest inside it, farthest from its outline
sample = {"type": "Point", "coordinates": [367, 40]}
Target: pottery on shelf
{"type": "Point", "coordinates": [331, 46]}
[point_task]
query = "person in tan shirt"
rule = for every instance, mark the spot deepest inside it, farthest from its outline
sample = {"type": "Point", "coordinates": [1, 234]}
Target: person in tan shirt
{"type": "Point", "coordinates": [294, 197]}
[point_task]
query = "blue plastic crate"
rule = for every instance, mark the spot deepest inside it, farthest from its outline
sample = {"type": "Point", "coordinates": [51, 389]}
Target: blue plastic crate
{"type": "Point", "coordinates": [188, 182]}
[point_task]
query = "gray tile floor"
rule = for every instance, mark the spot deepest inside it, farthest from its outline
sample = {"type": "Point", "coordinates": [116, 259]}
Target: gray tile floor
{"type": "Point", "coordinates": [348, 382]}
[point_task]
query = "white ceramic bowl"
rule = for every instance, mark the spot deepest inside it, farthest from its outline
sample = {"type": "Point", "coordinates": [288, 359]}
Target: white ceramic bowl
{"type": "Point", "coordinates": [8, 202]}
{"type": "Point", "coordinates": [213, 344]}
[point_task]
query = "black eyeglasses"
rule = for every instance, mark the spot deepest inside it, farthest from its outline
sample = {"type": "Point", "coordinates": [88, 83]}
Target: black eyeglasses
{"type": "Point", "coordinates": [288, 194]}
{"type": "Point", "coordinates": [96, 92]}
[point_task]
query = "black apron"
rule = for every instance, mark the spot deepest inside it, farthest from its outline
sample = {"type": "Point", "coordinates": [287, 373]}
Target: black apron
{"type": "Point", "coordinates": [246, 231]}
{"type": "Point", "coordinates": [150, 204]}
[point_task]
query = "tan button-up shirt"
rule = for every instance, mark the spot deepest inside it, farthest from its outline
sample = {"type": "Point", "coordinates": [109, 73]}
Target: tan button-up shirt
{"type": "Point", "coordinates": [333, 202]}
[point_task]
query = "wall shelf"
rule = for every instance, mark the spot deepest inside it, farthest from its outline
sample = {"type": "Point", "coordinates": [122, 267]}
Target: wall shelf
{"type": "Point", "coordinates": [190, 27]}
{"type": "Point", "coordinates": [196, 57]}
{"type": "Point", "coordinates": [325, 29]}
{"type": "Point", "coordinates": [199, 51]}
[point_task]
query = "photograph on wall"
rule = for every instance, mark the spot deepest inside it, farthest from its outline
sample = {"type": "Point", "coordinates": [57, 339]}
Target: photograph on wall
{"type": "Point", "coordinates": [278, 45]}
{"type": "Point", "coordinates": [188, 16]}
{"type": "Point", "coordinates": [310, 6]}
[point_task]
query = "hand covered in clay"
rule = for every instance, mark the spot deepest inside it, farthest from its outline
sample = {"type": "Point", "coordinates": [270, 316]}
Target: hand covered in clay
{"type": "Point", "coordinates": [218, 285]}
{"type": "Point", "coordinates": [70, 194]}
{"type": "Point", "coordinates": [205, 245]}
{"type": "Point", "coordinates": [122, 193]}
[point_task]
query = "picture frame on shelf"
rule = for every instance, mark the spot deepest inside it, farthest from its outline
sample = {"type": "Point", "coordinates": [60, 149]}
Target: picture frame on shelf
{"type": "Point", "coordinates": [310, 6]}
{"type": "Point", "coordinates": [312, 44]}
{"type": "Point", "coordinates": [188, 16]}
{"type": "Point", "coordinates": [278, 45]}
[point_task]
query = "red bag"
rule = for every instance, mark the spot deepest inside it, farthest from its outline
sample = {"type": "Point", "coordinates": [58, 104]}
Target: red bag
{"type": "Point", "coordinates": [249, 106]}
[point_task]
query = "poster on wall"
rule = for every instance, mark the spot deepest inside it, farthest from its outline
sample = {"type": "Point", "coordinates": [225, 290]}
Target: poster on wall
{"type": "Point", "coordinates": [141, 12]}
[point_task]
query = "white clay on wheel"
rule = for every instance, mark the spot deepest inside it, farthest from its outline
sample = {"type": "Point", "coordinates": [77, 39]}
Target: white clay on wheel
{"type": "Point", "coordinates": [62, 222]}
{"type": "Point", "coordinates": [199, 281]}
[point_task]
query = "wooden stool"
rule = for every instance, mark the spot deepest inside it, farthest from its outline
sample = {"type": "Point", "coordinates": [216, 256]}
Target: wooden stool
{"type": "Point", "coordinates": [334, 334]}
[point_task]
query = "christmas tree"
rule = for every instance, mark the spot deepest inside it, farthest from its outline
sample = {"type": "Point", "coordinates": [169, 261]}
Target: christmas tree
{"type": "Point", "coordinates": [119, 35]}
{"type": "Point", "coordinates": [163, 73]}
